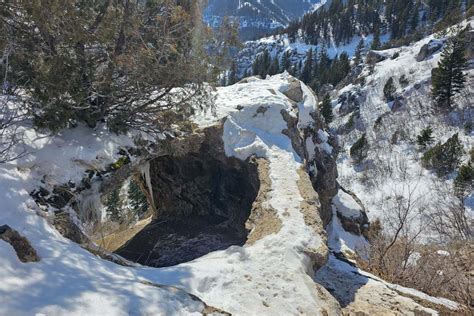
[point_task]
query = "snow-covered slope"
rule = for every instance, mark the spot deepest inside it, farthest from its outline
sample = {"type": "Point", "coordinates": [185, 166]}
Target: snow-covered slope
{"type": "Point", "coordinates": [393, 166]}
{"type": "Point", "coordinates": [272, 276]}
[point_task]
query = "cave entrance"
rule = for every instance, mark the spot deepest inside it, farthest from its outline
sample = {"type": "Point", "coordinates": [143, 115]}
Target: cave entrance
{"type": "Point", "coordinates": [202, 201]}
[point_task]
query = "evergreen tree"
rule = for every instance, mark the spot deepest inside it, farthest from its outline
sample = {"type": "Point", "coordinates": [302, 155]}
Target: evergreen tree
{"type": "Point", "coordinates": [326, 109]}
{"type": "Point", "coordinates": [233, 73]}
{"type": "Point", "coordinates": [444, 158]}
{"type": "Point", "coordinates": [274, 67]}
{"type": "Point", "coordinates": [448, 79]}
{"type": "Point", "coordinates": [389, 90]}
{"type": "Point", "coordinates": [425, 138]}
{"type": "Point", "coordinates": [103, 61]}
{"type": "Point", "coordinates": [358, 52]}
{"type": "Point", "coordinates": [307, 71]}
{"type": "Point", "coordinates": [376, 42]}
{"type": "Point", "coordinates": [138, 201]}
{"type": "Point", "coordinates": [114, 206]}
{"type": "Point", "coordinates": [286, 62]}
{"type": "Point", "coordinates": [360, 149]}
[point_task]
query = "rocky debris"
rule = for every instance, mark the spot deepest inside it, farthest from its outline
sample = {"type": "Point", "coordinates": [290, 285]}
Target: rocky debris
{"type": "Point", "coordinates": [350, 100]}
{"type": "Point", "coordinates": [429, 49]}
{"type": "Point", "coordinates": [374, 57]}
{"type": "Point", "coordinates": [263, 219]}
{"type": "Point", "coordinates": [24, 251]}
{"type": "Point", "coordinates": [398, 104]}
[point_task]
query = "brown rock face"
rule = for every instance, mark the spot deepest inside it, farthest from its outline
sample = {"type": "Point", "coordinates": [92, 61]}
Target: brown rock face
{"type": "Point", "coordinates": [203, 200]}
{"type": "Point", "coordinates": [21, 245]}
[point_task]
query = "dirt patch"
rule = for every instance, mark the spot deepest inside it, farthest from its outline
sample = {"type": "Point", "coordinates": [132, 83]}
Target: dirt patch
{"type": "Point", "coordinates": [116, 240]}
{"type": "Point", "coordinates": [21, 245]}
{"type": "Point", "coordinates": [263, 219]}
{"type": "Point", "coordinates": [310, 208]}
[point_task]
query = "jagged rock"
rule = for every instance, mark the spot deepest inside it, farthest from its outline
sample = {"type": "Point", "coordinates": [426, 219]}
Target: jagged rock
{"type": "Point", "coordinates": [325, 89]}
{"type": "Point", "coordinates": [357, 223]}
{"type": "Point", "coordinates": [65, 225]}
{"type": "Point", "coordinates": [21, 245]}
{"type": "Point", "coordinates": [398, 104]}
{"type": "Point", "coordinates": [429, 49]}
{"type": "Point", "coordinates": [374, 57]}
{"type": "Point", "coordinates": [350, 101]}
{"type": "Point", "coordinates": [294, 91]}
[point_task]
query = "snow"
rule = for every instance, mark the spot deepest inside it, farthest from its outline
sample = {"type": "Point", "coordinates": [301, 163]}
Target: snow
{"type": "Point", "coordinates": [271, 276]}
{"type": "Point", "coordinates": [68, 279]}
{"type": "Point", "coordinates": [395, 168]}
{"type": "Point", "coordinates": [340, 240]}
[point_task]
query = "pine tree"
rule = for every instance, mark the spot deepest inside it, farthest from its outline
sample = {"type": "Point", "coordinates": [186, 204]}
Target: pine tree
{"type": "Point", "coordinates": [360, 149]}
{"type": "Point", "coordinates": [233, 73]}
{"type": "Point", "coordinates": [444, 158]}
{"type": "Point", "coordinates": [389, 90]}
{"type": "Point", "coordinates": [274, 67]}
{"type": "Point", "coordinates": [286, 62]}
{"type": "Point", "coordinates": [448, 79]}
{"type": "Point", "coordinates": [358, 52]}
{"type": "Point", "coordinates": [326, 109]}
{"type": "Point", "coordinates": [138, 201]}
{"type": "Point", "coordinates": [308, 67]}
{"type": "Point", "coordinates": [376, 42]}
{"type": "Point", "coordinates": [114, 205]}
{"type": "Point", "coordinates": [425, 138]}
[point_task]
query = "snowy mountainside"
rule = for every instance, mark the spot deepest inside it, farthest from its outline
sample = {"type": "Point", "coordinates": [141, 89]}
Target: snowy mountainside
{"type": "Point", "coordinates": [280, 11]}
{"type": "Point", "coordinates": [394, 165]}
{"type": "Point", "coordinates": [273, 275]}
{"type": "Point", "coordinates": [257, 18]}
{"type": "Point", "coordinates": [277, 45]}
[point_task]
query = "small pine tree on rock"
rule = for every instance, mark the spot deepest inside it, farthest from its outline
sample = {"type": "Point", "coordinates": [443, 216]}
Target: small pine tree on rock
{"type": "Point", "coordinates": [448, 79]}
{"type": "Point", "coordinates": [425, 138]}
{"type": "Point", "coordinates": [326, 109]}
{"type": "Point", "coordinates": [444, 158]}
{"type": "Point", "coordinates": [359, 151]}
{"type": "Point", "coordinates": [138, 201]}
{"type": "Point", "coordinates": [114, 206]}
{"type": "Point", "coordinates": [389, 90]}
{"type": "Point", "coordinates": [464, 182]}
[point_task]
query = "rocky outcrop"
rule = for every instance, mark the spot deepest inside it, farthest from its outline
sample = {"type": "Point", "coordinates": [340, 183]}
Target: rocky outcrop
{"type": "Point", "coordinates": [263, 219]}
{"type": "Point", "coordinates": [25, 252]}
{"type": "Point", "coordinates": [374, 57]}
{"type": "Point", "coordinates": [429, 49]}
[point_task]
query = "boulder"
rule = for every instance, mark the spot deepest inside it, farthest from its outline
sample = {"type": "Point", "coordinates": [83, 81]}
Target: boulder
{"type": "Point", "coordinates": [429, 49]}
{"type": "Point", "coordinates": [21, 245]}
{"type": "Point", "coordinates": [294, 91]}
{"type": "Point", "coordinates": [374, 57]}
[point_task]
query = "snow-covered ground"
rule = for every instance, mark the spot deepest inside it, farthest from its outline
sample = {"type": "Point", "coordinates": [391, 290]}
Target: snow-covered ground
{"type": "Point", "coordinates": [273, 276]}
{"type": "Point", "coordinates": [393, 167]}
